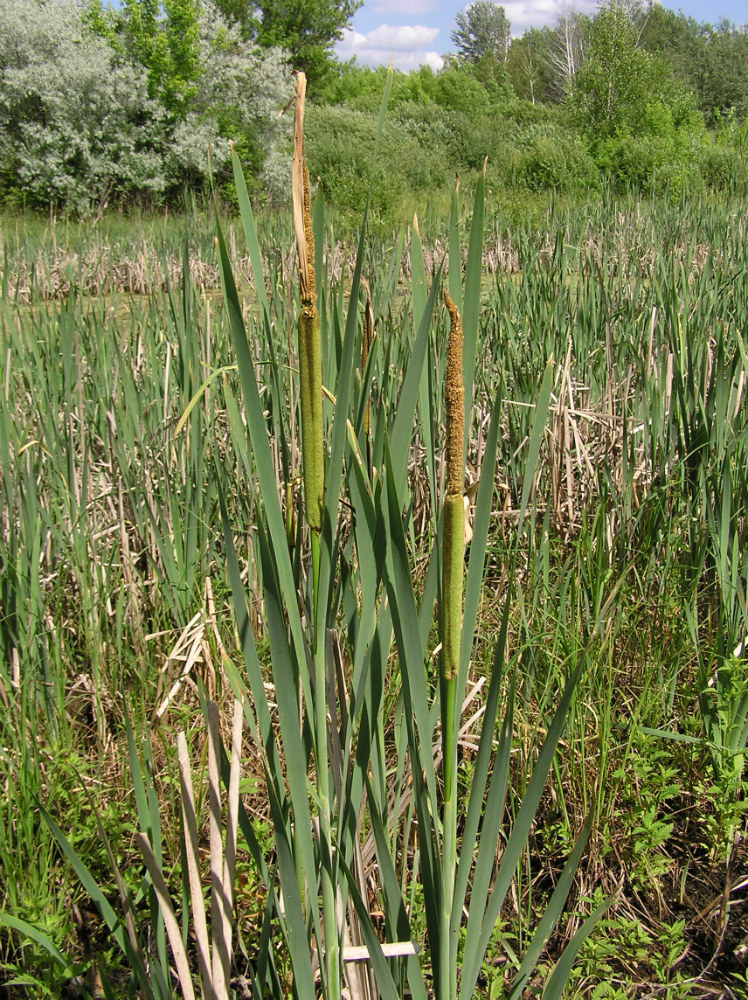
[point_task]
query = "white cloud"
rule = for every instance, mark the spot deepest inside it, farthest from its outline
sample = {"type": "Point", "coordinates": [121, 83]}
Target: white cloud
{"type": "Point", "coordinates": [524, 14]}
{"type": "Point", "coordinates": [405, 7]}
{"type": "Point", "coordinates": [406, 45]}
{"type": "Point", "coordinates": [405, 38]}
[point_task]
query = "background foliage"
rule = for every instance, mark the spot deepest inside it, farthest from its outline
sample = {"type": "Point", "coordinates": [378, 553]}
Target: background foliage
{"type": "Point", "coordinates": [136, 104]}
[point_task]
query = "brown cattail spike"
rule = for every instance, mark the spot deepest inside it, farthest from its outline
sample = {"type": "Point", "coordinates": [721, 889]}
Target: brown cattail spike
{"type": "Point", "coordinates": [455, 401]}
{"type": "Point", "coordinates": [453, 542]}
{"type": "Point", "coordinates": [309, 243]}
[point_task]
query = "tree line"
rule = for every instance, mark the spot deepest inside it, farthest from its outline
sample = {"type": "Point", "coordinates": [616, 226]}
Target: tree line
{"type": "Point", "coordinates": [140, 103]}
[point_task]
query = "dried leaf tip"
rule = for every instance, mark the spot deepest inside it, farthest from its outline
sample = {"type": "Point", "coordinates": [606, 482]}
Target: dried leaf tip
{"type": "Point", "coordinates": [300, 197]}
{"type": "Point", "coordinates": [454, 396]}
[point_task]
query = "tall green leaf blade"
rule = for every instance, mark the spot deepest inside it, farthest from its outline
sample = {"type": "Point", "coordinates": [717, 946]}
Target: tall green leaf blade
{"type": "Point", "coordinates": [479, 542]}
{"type": "Point", "coordinates": [292, 914]}
{"type": "Point", "coordinates": [343, 391]}
{"type": "Point", "coordinates": [474, 812]}
{"type": "Point", "coordinates": [486, 899]}
{"type": "Point", "coordinates": [250, 235]}
{"type": "Point", "coordinates": [407, 631]}
{"type": "Point", "coordinates": [286, 678]}
{"type": "Point", "coordinates": [420, 298]}
{"type": "Point", "coordinates": [552, 914]}
{"type": "Point", "coordinates": [554, 987]}
{"type": "Point", "coordinates": [266, 477]}
{"type": "Point", "coordinates": [395, 911]}
{"type": "Point", "coordinates": [402, 429]}
{"type": "Point", "coordinates": [536, 438]}
{"type": "Point", "coordinates": [471, 300]}
{"type": "Point", "coordinates": [382, 973]}
{"type": "Point", "coordinates": [416, 699]}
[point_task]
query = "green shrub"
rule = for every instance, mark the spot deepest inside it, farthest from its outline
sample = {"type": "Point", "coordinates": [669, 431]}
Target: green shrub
{"type": "Point", "coordinates": [633, 162]}
{"type": "Point", "coordinates": [338, 146]}
{"type": "Point", "coordinates": [553, 162]}
{"type": "Point", "coordinates": [723, 168]}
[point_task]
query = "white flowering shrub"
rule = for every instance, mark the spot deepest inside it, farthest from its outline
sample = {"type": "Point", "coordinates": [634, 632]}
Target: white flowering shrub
{"type": "Point", "coordinates": [240, 91]}
{"type": "Point", "coordinates": [76, 125]}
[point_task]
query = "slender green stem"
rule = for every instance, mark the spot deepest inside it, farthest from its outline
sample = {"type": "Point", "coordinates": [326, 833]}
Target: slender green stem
{"type": "Point", "coordinates": [448, 943]}
{"type": "Point", "coordinates": [332, 958]}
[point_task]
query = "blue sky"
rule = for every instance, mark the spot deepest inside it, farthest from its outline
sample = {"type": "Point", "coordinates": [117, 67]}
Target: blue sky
{"type": "Point", "coordinates": [415, 32]}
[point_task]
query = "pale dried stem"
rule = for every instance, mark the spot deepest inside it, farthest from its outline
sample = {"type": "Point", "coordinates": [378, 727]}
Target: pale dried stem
{"type": "Point", "coordinates": [300, 198]}
{"type": "Point", "coordinates": [189, 820]}
{"type": "Point", "coordinates": [170, 921]}
{"type": "Point", "coordinates": [218, 916]}
{"type": "Point", "coordinates": [232, 817]}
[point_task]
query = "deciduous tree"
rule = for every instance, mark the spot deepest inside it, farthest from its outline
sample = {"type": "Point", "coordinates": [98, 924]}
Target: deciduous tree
{"type": "Point", "coordinates": [617, 79]}
{"type": "Point", "coordinates": [566, 51]}
{"type": "Point", "coordinates": [305, 29]}
{"type": "Point", "coordinates": [482, 31]}
{"type": "Point", "coordinates": [528, 65]}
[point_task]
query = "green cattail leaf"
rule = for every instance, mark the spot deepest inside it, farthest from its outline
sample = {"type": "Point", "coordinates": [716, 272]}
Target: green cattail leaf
{"type": "Point", "coordinates": [420, 724]}
{"type": "Point", "coordinates": [494, 808]}
{"type": "Point", "coordinates": [344, 384]}
{"type": "Point", "coordinates": [402, 429]}
{"type": "Point", "coordinates": [419, 287]}
{"type": "Point", "coordinates": [250, 235]}
{"type": "Point", "coordinates": [199, 394]}
{"type": "Point", "coordinates": [553, 910]}
{"type": "Point", "coordinates": [536, 438]}
{"type": "Point", "coordinates": [385, 983]}
{"type": "Point", "coordinates": [479, 542]}
{"type": "Point", "coordinates": [263, 460]}
{"type": "Point", "coordinates": [425, 401]}
{"type": "Point", "coordinates": [471, 301]}
{"type": "Point", "coordinates": [260, 721]}
{"type": "Point", "coordinates": [261, 726]}
{"type": "Point", "coordinates": [558, 979]}
{"type": "Point", "coordinates": [488, 894]}
{"type": "Point", "coordinates": [380, 125]}
{"type": "Point", "coordinates": [395, 909]}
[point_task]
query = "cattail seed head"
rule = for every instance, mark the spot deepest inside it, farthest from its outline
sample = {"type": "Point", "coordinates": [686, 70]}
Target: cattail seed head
{"type": "Point", "coordinates": [453, 540]}
{"type": "Point", "coordinates": [455, 401]}
{"type": "Point", "coordinates": [311, 287]}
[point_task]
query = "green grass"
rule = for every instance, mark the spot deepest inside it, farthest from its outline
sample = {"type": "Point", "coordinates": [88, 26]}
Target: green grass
{"type": "Point", "coordinates": [614, 531]}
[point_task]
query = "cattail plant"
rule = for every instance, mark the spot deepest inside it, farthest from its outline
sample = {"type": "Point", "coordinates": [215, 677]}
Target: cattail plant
{"type": "Point", "coordinates": [310, 378]}
{"type": "Point", "coordinates": [310, 347]}
{"type": "Point", "coordinates": [453, 545]}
